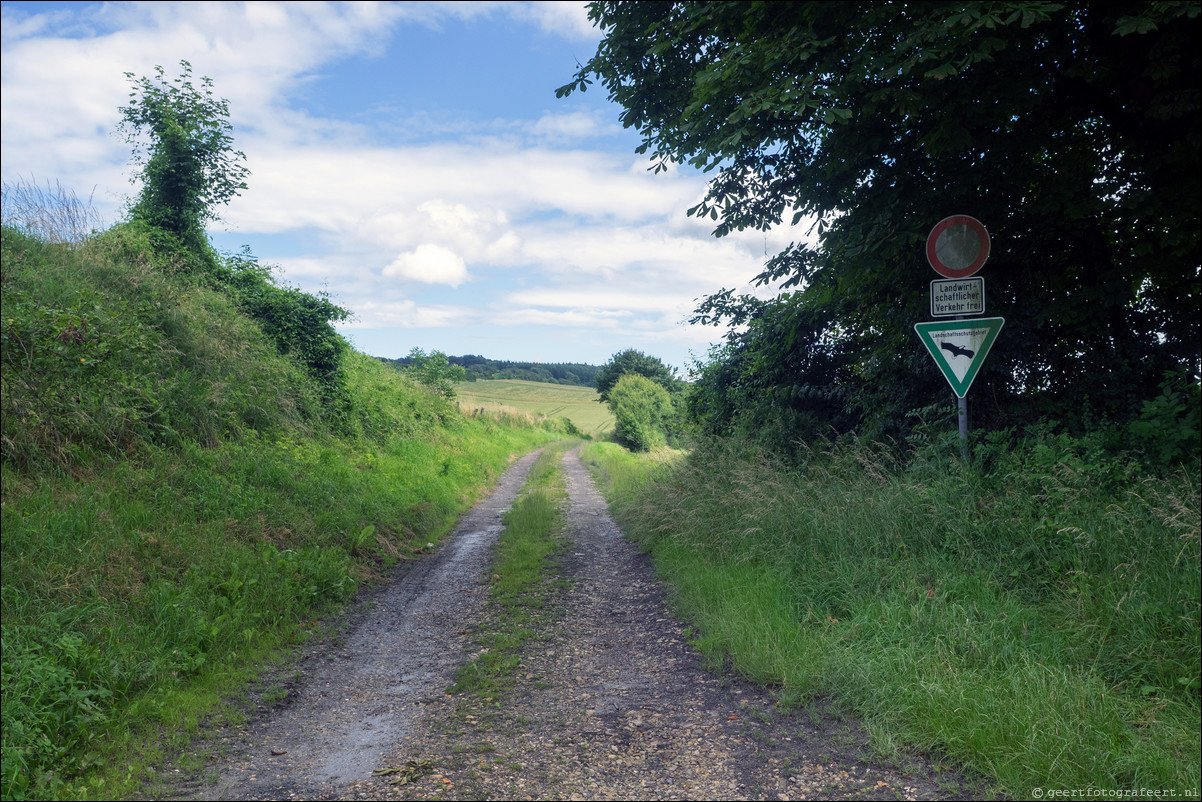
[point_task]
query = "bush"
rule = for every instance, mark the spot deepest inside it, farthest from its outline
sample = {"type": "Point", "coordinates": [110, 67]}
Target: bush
{"type": "Point", "coordinates": [642, 410]}
{"type": "Point", "coordinates": [299, 324]}
{"type": "Point", "coordinates": [1168, 427]}
{"type": "Point", "coordinates": [632, 362]}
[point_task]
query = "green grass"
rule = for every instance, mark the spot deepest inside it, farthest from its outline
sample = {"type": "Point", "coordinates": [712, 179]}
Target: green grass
{"type": "Point", "coordinates": [524, 577]}
{"type": "Point", "coordinates": [1038, 625]}
{"type": "Point", "coordinates": [131, 590]}
{"type": "Point", "coordinates": [176, 509]}
{"type": "Point", "coordinates": [550, 401]}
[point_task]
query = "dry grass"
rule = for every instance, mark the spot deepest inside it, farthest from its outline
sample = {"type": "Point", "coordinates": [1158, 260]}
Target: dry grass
{"type": "Point", "coordinates": [54, 213]}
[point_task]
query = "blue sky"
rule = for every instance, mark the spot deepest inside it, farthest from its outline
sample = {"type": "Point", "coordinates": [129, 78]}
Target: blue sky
{"type": "Point", "coordinates": [409, 158]}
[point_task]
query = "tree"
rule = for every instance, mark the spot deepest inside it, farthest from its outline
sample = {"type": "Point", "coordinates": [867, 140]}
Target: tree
{"type": "Point", "coordinates": [1072, 130]}
{"type": "Point", "coordinates": [636, 363]}
{"type": "Point", "coordinates": [435, 371]}
{"type": "Point", "coordinates": [779, 378]}
{"type": "Point", "coordinates": [181, 136]}
{"type": "Point", "coordinates": [641, 410]}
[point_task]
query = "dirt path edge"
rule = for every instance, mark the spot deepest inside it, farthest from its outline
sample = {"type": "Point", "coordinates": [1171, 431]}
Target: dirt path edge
{"type": "Point", "coordinates": [359, 694]}
{"type": "Point", "coordinates": [611, 702]}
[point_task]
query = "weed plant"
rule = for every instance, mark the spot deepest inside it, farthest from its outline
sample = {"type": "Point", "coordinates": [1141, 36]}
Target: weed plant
{"type": "Point", "coordinates": [176, 506]}
{"type": "Point", "coordinates": [1037, 623]}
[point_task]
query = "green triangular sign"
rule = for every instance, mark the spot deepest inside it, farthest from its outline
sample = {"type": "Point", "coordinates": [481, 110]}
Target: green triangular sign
{"type": "Point", "coordinates": [959, 347]}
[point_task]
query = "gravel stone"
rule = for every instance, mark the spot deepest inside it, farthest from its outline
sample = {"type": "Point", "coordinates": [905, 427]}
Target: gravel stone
{"type": "Point", "coordinates": [610, 701]}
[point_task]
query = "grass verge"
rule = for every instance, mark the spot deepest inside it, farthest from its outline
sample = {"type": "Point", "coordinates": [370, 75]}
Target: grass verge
{"type": "Point", "coordinates": [1038, 625]}
{"type": "Point", "coordinates": [134, 596]}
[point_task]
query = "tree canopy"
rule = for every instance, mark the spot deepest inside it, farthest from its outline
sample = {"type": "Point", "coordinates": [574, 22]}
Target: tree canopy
{"type": "Point", "coordinates": [1070, 129]}
{"type": "Point", "coordinates": [632, 362]}
{"type": "Point", "coordinates": [435, 371]}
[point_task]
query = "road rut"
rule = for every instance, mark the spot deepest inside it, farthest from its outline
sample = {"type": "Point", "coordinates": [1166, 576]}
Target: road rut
{"type": "Point", "coordinates": [610, 703]}
{"type": "Point", "coordinates": [359, 697]}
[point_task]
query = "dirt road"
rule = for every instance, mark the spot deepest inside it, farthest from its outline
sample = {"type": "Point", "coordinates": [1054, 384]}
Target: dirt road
{"type": "Point", "coordinates": [611, 703]}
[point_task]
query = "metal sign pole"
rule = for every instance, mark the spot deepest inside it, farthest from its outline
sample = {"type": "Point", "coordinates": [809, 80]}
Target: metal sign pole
{"type": "Point", "coordinates": [963, 409]}
{"type": "Point", "coordinates": [962, 416]}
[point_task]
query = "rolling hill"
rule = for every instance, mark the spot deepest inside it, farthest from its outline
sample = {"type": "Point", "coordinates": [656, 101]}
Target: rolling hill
{"type": "Point", "coordinates": [578, 404]}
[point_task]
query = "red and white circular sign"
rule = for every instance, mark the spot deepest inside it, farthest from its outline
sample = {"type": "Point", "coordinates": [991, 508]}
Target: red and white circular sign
{"type": "Point", "coordinates": [957, 246]}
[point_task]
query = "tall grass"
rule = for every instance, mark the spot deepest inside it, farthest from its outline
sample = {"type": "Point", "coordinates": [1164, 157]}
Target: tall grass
{"type": "Point", "coordinates": [1038, 624]}
{"type": "Point", "coordinates": [101, 353]}
{"type": "Point", "coordinates": [53, 214]}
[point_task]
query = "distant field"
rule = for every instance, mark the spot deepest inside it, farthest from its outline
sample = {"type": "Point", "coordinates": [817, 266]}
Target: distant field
{"type": "Point", "coordinates": [578, 404]}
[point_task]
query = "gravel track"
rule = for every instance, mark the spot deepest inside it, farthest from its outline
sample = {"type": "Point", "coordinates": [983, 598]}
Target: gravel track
{"type": "Point", "coordinates": [358, 697]}
{"type": "Point", "coordinates": [610, 703]}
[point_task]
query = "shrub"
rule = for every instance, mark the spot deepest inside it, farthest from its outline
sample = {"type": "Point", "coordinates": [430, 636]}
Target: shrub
{"type": "Point", "coordinates": [642, 410]}
{"type": "Point", "coordinates": [435, 371]}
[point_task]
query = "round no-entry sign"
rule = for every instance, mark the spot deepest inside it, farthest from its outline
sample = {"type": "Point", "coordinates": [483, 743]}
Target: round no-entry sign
{"type": "Point", "coordinates": [957, 246]}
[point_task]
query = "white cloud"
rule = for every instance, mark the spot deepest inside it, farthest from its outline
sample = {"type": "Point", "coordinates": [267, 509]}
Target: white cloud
{"type": "Point", "coordinates": [253, 51]}
{"type": "Point", "coordinates": [432, 264]}
{"type": "Point", "coordinates": [579, 239]}
{"type": "Point", "coordinates": [406, 314]}
{"type": "Point", "coordinates": [463, 195]}
{"type": "Point", "coordinates": [572, 126]}
{"type": "Point", "coordinates": [568, 19]}
{"type": "Point", "coordinates": [504, 250]}
{"type": "Point", "coordinates": [572, 318]}
{"type": "Point", "coordinates": [618, 301]}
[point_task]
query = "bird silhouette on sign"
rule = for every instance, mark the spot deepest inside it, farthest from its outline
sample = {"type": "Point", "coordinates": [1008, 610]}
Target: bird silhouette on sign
{"type": "Point", "coordinates": [956, 350]}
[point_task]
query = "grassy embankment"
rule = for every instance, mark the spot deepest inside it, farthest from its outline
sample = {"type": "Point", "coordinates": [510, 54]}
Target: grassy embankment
{"type": "Point", "coordinates": [544, 401]}
{"type": "Point", "coordinates": [176, 509]}
{"type": "Point", "coordinates": [1038, 624]}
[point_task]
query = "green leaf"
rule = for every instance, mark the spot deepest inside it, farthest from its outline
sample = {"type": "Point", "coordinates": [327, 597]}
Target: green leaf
{"type": "Point", "coordinates": [1129, 25]}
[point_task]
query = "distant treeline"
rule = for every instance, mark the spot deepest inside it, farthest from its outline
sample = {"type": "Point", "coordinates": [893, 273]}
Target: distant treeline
{"type": "Point", "coordinates": [479, 367]}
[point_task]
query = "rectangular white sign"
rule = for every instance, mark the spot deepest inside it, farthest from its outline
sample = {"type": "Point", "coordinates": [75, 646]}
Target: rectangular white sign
{"type": "Point", "coordinates": [964, 296]}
